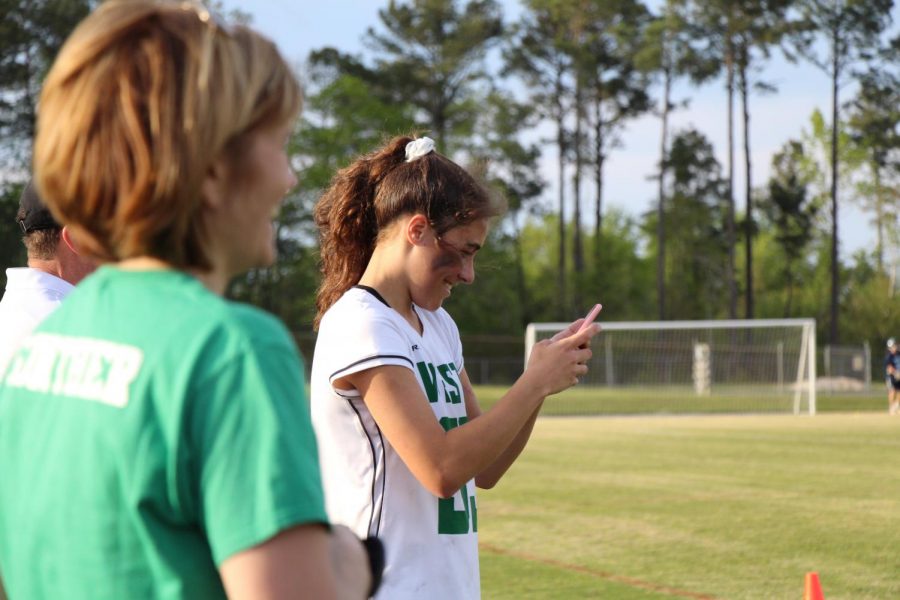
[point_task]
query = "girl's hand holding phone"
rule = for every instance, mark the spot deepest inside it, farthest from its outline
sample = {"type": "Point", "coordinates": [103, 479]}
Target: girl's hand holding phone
{"type": "Point", "coordinates": [557, 363]}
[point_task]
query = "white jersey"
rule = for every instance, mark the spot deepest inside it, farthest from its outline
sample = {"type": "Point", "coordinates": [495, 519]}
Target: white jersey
{"type": "Point", "coordinates": [431, 543]}
{"type": "Point", "coordinates": [31, 295]}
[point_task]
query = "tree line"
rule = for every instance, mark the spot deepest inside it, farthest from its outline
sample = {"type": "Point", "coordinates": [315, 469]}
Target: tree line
{"type": "Point", "coordinates": [489, 88]}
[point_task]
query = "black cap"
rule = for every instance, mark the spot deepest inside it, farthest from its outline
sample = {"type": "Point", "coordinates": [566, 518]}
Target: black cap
{"type": "Point", "coordinates": [33, 215]}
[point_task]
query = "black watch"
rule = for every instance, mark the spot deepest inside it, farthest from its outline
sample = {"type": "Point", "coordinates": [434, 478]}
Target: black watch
{"type": "Point", "coordinates": [375, 551]}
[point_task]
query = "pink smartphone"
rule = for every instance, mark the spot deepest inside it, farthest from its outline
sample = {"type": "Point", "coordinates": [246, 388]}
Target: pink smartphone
{"type": "Point", "coordinates": [590, 317]}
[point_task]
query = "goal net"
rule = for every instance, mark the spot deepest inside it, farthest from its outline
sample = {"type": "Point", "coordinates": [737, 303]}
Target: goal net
{"type": "Point", "coordinates": [732, 366]}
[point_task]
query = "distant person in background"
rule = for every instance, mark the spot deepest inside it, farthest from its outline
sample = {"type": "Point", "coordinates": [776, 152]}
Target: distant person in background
{"type": "Point", "coordinates": [54, 267]}
{"type": "Point", "coordinates": [155, 438]}
{"type": "Point", "coordinates": [892, 374]}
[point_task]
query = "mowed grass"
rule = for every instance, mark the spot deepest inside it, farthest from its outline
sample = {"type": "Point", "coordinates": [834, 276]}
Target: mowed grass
{"type": "Point", "coordinates": [697, 507]}
{"type": "Point", "coordinates": [590, 400]}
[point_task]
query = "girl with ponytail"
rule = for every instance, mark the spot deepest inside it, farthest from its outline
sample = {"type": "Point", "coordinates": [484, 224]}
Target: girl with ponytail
{"type": "Point", "coordinates": [402, 440]}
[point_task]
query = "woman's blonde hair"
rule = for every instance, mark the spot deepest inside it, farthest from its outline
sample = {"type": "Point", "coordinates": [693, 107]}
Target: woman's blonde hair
{"type": "Point", "coordinates": [143, 97]}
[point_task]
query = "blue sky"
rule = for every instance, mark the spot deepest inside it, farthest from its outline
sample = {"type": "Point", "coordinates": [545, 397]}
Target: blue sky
{"type": "Point", "coordinates": [298, 29]}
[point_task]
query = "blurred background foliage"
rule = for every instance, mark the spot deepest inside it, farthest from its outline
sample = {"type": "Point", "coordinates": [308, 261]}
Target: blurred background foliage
{"type": "Point", "coordinates": [559, 83]}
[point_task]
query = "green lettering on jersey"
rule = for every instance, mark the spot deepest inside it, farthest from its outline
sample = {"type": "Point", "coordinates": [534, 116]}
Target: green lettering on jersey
{"type": "Point", "coordinates": [449, 423]}
{"type": "Point", "coordinates": [450, 520]}
{"type": "Point", "coordinates": [429, 380]}
{"type": "Point", "coordinates": [451, 387]}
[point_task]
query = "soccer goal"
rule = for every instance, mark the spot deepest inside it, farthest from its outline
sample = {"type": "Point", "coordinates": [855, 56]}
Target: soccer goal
{"type": "Point", "coordinates": [730, 366]}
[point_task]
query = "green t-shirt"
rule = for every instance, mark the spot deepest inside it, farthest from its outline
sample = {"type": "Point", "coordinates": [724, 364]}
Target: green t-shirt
{"type": "Point", "coordinates": [149, 429]}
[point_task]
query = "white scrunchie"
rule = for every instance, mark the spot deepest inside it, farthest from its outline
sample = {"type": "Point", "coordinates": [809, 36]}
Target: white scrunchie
{"type": "Point", "coordinates": [419, 148]}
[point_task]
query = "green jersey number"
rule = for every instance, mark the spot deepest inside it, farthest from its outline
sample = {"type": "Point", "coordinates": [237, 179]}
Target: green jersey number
{"type": "Point", "coordinates": [450, 520]}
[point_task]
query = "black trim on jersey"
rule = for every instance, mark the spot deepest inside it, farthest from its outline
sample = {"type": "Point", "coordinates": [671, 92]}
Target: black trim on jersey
{"type": "Point", "coordinates": [374, 471]}
{"type": "Point", "coordinates": [383, 480]}
{"type": "Point", "coordinates": [374, 292]}
{"type": "Point", "coordinates": [368, 358]}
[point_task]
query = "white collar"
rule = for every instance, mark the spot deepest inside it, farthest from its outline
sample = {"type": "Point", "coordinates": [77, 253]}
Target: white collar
{"type": "Point", "coordinates": [29, 278]}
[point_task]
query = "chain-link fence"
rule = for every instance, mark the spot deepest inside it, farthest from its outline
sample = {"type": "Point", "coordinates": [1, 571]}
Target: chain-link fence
{"type": "Point", "coordinates": [844, 369]}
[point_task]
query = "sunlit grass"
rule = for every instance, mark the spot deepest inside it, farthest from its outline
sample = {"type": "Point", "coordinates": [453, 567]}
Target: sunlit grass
{"type": "Point", "coordinates": [588, 400]}
{"type": "Point", "coordinates": [709, 506]}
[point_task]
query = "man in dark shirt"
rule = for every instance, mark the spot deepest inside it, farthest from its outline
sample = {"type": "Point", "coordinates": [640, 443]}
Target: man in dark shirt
{"type": "Point", "coordinates": [892, 374]}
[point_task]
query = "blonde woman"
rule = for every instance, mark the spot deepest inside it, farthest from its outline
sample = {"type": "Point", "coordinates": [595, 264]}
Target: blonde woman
{"type": "Point", "coordinates": [155, 440]}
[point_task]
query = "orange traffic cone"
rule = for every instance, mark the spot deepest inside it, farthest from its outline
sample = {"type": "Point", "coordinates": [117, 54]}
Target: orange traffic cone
{"type": "Point", "coordinates": [813, 589]}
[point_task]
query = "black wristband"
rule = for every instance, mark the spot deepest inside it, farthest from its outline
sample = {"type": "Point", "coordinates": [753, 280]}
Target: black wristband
{"type": "Point", "coordinates": [375, 551]}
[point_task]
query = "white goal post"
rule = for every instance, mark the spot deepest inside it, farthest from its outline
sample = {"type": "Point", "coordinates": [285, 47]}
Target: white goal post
{"type": "Point", "coordinates": [741, 366]}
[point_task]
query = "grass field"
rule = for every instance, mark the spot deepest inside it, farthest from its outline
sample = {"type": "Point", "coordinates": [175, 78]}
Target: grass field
{"type": "Point", "coordinates": [586, 400]}
{"type": "Point", "coordinates": [697, 507]}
